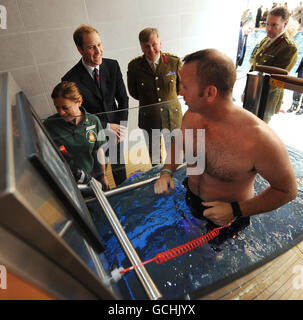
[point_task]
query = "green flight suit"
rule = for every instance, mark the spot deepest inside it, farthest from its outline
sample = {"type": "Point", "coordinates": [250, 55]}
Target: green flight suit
{"type": "Point", "coordinates": [160, 87]}
{"type": "Point", "coordinates": [81, 141]}
{"type": "Point", "coordinates": [282, 53]}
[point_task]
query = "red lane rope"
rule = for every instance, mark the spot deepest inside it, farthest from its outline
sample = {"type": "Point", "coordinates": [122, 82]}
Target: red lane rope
{"type": "Point", "coordinates": [180, 250]}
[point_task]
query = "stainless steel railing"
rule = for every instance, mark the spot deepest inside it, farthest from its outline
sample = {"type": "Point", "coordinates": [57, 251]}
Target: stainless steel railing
{"type": "Point", "coordinates": [147, 282]}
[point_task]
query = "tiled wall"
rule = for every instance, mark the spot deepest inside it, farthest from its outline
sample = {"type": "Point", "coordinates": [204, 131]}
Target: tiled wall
{"type": "Point", "coordinates": [37, 46]}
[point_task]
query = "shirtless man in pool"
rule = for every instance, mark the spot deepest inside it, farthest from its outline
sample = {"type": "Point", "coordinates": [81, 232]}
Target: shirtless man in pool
{"type": "Point", "coordinates": [238, 145]}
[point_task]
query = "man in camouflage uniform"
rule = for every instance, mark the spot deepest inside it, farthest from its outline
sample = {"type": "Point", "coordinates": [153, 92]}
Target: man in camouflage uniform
{"type": "Point", "coordinates": [276, 50]}
{"type": "Point", "coordinates": [154, 79]}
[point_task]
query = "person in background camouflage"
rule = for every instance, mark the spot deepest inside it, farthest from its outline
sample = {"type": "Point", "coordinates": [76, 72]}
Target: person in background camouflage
{"type": "Point", "coordinates": [276, 50]}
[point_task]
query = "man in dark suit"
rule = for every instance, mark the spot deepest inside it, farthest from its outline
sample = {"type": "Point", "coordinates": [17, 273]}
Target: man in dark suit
{"type": "Point", "coordinates": [297, 95]}
{"type": "Point", "coordinates": [101, 84]}
{"type": "Point", "coordinates": [258, 17]}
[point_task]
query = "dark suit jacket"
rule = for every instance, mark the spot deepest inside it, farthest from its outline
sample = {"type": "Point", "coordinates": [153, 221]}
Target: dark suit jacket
{"type": "Point", "coordinates": [241, 48]}
{"type": "Point", "coordinates": [111, 97]}
{"type": "Point", "coordinates": [300, 69]}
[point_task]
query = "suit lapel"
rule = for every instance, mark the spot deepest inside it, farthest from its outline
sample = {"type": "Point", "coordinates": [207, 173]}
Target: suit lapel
{"type": "Point", "coordinates": [88, 81]}
{"type": "Point", "coordinates": [103, 72]}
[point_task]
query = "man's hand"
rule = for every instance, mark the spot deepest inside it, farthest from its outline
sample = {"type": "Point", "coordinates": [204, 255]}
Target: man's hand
{"type": "Point", "coordinates": [105, 184]}
{"type": "Point", "coordinates": [119, 130]}
{"type": "Point", "coordinates": [220, 212]}
{"type": "Point", "coordinates": [163, 184]}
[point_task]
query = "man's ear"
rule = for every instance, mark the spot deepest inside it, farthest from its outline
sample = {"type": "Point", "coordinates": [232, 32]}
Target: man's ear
{"type": "Point", "coordinates": [210, 93]}
{"type": "Point", "coordinates": [80, 50]}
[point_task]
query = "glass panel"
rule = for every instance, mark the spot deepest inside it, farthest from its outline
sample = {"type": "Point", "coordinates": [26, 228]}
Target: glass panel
{"type": "Point", "coordinates": [156, 223]}
{"type": "Point", "coordinates": [141, 144]}
{"type": "Point", "coordinates": [76, 242]}
{"type": "Point", "coordinates": [36, 193]}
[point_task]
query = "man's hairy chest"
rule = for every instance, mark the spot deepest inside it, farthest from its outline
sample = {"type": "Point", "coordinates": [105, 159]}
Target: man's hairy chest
{"type": "Point", "coordinates": [227, 156]}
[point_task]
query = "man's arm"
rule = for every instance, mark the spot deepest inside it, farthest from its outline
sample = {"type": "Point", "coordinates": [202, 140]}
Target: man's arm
{"type": "Point", "coordinates": [131, 81]}
{"type": "Point", "coordinates": [179, 66]}
{"type": "Point", "coordinates": [121, 94]}
{"type": "Point", "coordinates": [273, 164]}
{"type": "Point", "coordinates": [174, 157]}
{"type": "Point", "coordinates": [166, 181]}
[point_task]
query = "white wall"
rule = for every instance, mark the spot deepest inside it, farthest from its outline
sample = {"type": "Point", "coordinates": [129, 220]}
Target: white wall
{"type": "Point", "coordinates": [38, 49]}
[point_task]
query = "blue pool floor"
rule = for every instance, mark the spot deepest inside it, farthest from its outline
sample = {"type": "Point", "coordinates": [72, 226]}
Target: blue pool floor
{"type": "Point", "coordinates": [156, 223]}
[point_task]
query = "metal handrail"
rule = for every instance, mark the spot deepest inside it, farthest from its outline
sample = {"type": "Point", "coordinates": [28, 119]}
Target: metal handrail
{"type": "Point", "coordinates": [147, 282]}
{"type": "Point", "coordinates": [129, 187]}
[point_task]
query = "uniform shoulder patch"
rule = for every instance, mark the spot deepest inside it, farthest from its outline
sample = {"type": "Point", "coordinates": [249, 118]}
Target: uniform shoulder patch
{"type": "Point", "coordinates": [136, 59]}
{"type": "Point", "coordinates": [170, 54]}
{"type": "Point", "coordinates": [287, 41]}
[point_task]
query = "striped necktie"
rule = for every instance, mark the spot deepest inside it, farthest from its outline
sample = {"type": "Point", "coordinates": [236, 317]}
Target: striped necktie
{"type": "Point", "coordinates": [96, 77]}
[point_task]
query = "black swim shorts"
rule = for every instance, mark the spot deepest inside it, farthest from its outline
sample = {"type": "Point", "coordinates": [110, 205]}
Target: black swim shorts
{"type": "Point", "coordinates": [194, 202]}
{"type": "Point", "coordinates": [197, 209]}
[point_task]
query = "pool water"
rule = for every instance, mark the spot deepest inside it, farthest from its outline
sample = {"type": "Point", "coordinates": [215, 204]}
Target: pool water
{"type": "Point", "coordinates": [156, 223]}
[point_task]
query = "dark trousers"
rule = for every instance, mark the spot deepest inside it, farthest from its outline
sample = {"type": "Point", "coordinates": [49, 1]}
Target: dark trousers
{"type": "Point", "coordinates": [156, 146]}
{"type": "Point", "coordinates": [117, 163]}
{"type": "Point", "coordinates": [296, 97]}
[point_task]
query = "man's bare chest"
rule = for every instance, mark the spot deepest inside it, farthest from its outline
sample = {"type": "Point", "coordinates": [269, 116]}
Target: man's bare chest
{"type": "Point", "coordinates": [226, 155]}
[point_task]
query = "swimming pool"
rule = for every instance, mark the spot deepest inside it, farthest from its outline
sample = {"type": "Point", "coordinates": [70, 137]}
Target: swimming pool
{"type": "Point", "coordinates": [156, 223]}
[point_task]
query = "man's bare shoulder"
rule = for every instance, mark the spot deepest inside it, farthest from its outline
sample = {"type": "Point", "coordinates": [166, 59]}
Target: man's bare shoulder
{"type": "Point", "coordinates": [254, 131]}
{"type": "Point", "coordinates": [192, 120]}
{"type": "Point", "coordinates": [257, 125]}
{"type": "Point", "coordinates": [262, 137]}
{"type": "Point", "coordinates": [266, 137]}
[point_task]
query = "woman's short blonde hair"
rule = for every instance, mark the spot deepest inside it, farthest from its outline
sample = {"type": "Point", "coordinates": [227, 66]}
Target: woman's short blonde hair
{"type": "Point", "coordinates": [67, 90]}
